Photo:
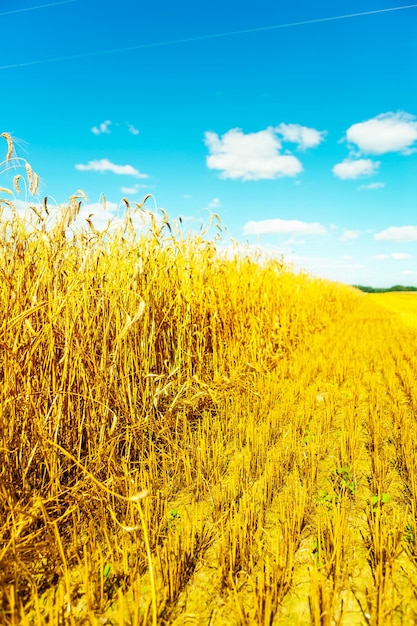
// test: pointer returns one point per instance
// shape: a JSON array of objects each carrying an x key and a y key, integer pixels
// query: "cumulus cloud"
[
  {"x": 252, "y": 156},
  {"x": 372, "y": 186},
  {"x": 190, "y": 218},
  {"x": 104, "y": 165},
  {"x": 92, "y": 211},
  {"x": 302, "y": 135},
  {"x": 104, "y": 127},
  {"x": 95, "y": 213},
  {"x": 354, "y": 168},
  {"x": 294, "y": 241},
  {"x": 133, "y": 190},
  {"x": 287, "y": 227},
  {"x": 349, "y": 235},
  {"x": 111, "y": 217},
  {"x": 132, "y": 130},
  {"x": 398, "y": 233},
  {"x": 397, "y": 256},
  {"x": 387, "y": 132},
  {"x": 409, "y": 273},
  {"x": 214, "y": 204},
  {"x": 101, "y": 216}
]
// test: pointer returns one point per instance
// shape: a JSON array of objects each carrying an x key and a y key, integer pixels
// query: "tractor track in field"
[
  {"x": 336, "y": 412},
  {"x": 304, "y": 509}
]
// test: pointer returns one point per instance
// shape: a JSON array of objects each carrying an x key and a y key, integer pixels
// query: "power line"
[
  {"x": 230, "y": 33},
  {"x": 39, "y": 6}
]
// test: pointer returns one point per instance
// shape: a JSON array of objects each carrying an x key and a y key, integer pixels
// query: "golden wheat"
[{"x": 187, "y": 437}]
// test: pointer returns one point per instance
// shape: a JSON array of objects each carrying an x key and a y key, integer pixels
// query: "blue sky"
[{"x": 299, "y": 131}]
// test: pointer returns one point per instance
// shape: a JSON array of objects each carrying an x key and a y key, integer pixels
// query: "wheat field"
[{"x": 194, "y": 437}]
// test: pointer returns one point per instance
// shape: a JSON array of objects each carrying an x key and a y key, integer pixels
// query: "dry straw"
[{"x": 193, "y": 437}]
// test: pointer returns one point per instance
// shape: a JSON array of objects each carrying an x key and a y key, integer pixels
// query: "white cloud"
[
  {"x": 397, "y": 256},
  {"x": 334, "y": 269},
  {"x": 304, "y": 136},
  {"x": 372, "y": 186},
  {"x": 94, "y": 207},
  {"x": 100, "y": 216},
  {"x": 94, "y": 211},
  {"x": 348, "y": 267},
  {"x": 387, "y": 132},
  {"x": 102, "y": 128},
  {"x": 409, "y": 273},
  {"x": 96, "y": 214},
  {"x": 214, "y": 204},
  {"x": 133, "y": 190},
  {"x": 398, "y": 233},
  {"x": 293, "y": 241},
  {"x": 253, "y": 156},
  {"x": 112, "y": 217},
  {"x": 350, "y": 168},
  {"x": 291, "y": 227},
  {"x": 349, "y": 235},
  {"x": 132, "y": 130},
  {"x": 190, "y": 219},
  {"x": 104, "y": 165}
]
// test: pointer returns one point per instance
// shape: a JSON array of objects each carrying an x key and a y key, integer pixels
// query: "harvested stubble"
[{"x": 191, "y": 438}]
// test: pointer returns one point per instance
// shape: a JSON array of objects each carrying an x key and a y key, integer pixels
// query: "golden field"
[{"x": 190, "y": 437}]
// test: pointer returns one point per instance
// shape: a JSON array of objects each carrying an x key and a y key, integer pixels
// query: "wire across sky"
[
  {"x": 157, "y": 44},
  {"x": 35, "y": 8}
]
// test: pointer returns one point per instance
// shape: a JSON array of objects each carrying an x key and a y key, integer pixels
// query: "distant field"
[
  {"x": 187, "y": 438},
  {"x": 403, "y": 303}
]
